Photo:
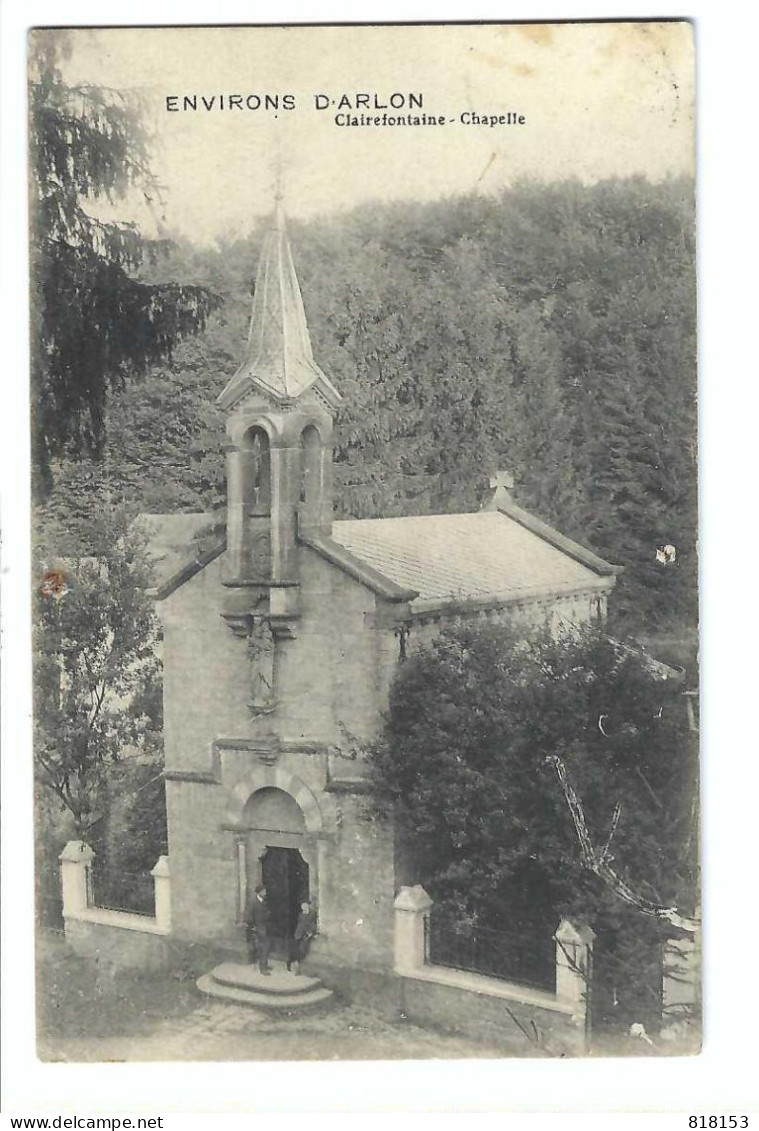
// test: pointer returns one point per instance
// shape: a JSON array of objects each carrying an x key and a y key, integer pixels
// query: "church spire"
[
  {"x": 278, "y": 359},
  {"x": 279, "y": 417}
]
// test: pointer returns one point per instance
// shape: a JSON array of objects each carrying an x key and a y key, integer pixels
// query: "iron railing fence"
[
  {"x": 117, "y": 890},
  {"x": 521, "y": 954}
]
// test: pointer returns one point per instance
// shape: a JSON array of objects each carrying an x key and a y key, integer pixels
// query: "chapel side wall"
[{"x": 574, "y": 608}]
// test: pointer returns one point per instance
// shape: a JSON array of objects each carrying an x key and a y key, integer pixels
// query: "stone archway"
[
  {"x": 277, "y": 849},
  {"x": 265, "y": 776}
]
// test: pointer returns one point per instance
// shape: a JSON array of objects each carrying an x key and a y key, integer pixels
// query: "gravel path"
[{"x": 85, "y": 1016}]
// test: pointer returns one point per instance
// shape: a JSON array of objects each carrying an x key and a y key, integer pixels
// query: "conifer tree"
[{"x": 94, "y": 321}]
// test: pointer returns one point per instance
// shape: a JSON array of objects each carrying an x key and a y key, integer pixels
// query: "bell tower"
[{"x": 279, "y": 407}]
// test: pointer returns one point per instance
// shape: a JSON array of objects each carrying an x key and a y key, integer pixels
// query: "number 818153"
[{"x": 702, "y": 1121}]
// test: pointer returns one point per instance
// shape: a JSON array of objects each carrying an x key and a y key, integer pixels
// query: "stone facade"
[{"x": 331, "y": 683}]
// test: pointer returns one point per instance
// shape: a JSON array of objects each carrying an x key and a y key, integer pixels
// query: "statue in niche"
[
  {"x": 261, "y": 656},
  {"x": 260, "y": 550}
]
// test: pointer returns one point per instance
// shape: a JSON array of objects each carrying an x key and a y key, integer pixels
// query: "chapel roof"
[
  {"x": 278, "y": 357},
  {"x": 446, "y": 558},
  {"x": 178, "y": 545},
  {"x": 428, "y": 560}
]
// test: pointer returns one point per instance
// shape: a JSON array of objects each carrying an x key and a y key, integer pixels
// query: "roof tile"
[{"x": 460, "y": 556}]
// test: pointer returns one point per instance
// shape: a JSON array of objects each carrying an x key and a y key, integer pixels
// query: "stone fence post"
[
  {"x": 162, "y": 880},
  {"x": 574, "y": 965},
  {"x": 76, "y": 861},
  {"x": 412, "y": 908}
]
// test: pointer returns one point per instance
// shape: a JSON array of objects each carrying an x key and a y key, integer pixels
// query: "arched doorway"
[{"x": 279, "y": 855}]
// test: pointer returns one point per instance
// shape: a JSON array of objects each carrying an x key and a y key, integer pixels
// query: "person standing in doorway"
[
  {"x": 257, "y": 920},
  {"x": 305, "y": 929}
]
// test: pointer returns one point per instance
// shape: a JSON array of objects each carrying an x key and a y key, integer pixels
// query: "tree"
[
  {"x": 94, "y": 320},
  {"x": 481, "y": 728},
  {"x": 95, "y": 638}
]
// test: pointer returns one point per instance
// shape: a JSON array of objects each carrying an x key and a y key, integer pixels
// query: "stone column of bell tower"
[{"x": 279, "y": 408}]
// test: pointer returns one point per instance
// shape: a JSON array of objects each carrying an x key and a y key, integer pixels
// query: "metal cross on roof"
[{"x": 502, "y": 479}]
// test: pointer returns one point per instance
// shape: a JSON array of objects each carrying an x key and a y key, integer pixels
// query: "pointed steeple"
[{"x": 278, "y": 359}]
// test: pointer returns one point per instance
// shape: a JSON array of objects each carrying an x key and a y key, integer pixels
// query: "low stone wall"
[
  {"x": 523, "y": 1022},
  {"x": 470, "y": 1005},
  {"x": 118, "y": 939}
]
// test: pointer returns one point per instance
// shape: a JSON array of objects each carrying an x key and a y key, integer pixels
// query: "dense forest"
[{"x": 548, "y": 331}]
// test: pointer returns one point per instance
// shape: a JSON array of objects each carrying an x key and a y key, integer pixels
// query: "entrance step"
[
  {"x": 281, "y": 992},
  {"x": 280, "y": 981}
]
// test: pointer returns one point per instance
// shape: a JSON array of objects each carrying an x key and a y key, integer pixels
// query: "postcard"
[{"x": 364, "y": 443}]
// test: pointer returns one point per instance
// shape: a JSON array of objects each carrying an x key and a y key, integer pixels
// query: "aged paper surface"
[{"x": 365, "y": 542}]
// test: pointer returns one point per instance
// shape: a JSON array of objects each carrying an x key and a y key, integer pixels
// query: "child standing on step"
[{"x": 305, "y": 929}]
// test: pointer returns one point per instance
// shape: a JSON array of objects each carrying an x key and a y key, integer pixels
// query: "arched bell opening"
[
  {"x": 249, "y": 506},
  {"x": 310, "y": 475},
  {"x": 315, "y": 493},
  {"x": 256, "y": 471}
]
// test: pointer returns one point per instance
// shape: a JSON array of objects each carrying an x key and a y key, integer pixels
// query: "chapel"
[{"x": 281, "y": 637}]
